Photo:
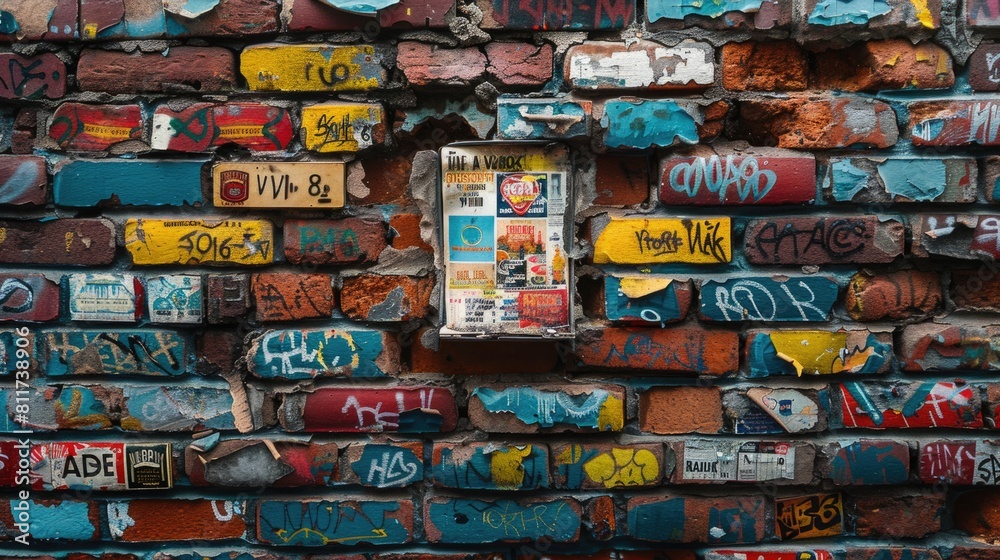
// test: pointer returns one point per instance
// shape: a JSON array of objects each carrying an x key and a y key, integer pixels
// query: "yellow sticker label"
[
  {"x": 277, "y": 67},
  {"x": 665, "y": 240},
  {"x": 152, "y": 242},
  {"x": 342, "y": 127},
  {"x": 279, "y": 185}
]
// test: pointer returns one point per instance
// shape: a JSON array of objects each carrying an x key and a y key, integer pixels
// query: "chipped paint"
[
  {"x": 664, "y": 240},
  {"x": 841, "y": 12},
  {"x": 282, "y": 67},
  {"x": 343, "y": 126},
  {"x": 644, "y": 123},
  {"x": 910, "y": 405},
  {"x": 534, "y": 119},
  {"x": 361, "y": 7},
  {"x": 311, "y": 353},
  {"x": 901, "y": 179},
  {"x": 460, "y": 520},
  {"x": 388, "y": 466},
  {"x": 598, "y": 409},
  {"x": 202, "y": 127},
  {"x": 176, "y": 409},
  {"x": 817, "y": 515},
  {"x": 679, "y": 9},
  {"x": 643, "y": 299},
  {"x": 598, "y": 65},
  {"x": 758, "y": 177},
  {"x": 490, "y": 466},
  {"x": 124, "y": 352},
  {"x": 435, "y": 110},
  {"x": 314, "y": 523},
  {"x": 193, "y": 242},
  {"x": 792, "y": 409},
  {"x": 175, "y": 298},
  {"x": 93, "y": 128},
  {"x": 189, "y": 8},
  {"x": 591, "y": 466},
  {"x": 802, "y": 352}
]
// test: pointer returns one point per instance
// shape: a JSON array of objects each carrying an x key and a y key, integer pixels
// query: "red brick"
[
  {"x": 28, "y": 297},
  {"x": 404, "y": 229},
  {"x": 416, "y": 14},
  {"x": 23, "y": 180},
  {"x": 880, "y": 65},
  {"x": 93, "y": 128},
  {"x": 229, "y": 463},
  {"x": 217, "y": 351},
  {"x": 430, "y": 65},
  {"x": 977, "y": 512},
  {"x": 975, "y": 290},
  {"x": 622, "y": 180},
  {"x": 984, "y": 73},
  {"x": 25, "y": 126},
  {"x": 49, "y": 20},
  {"x": 974, "y": 553},
  {"x": 189, "y": 520},
  {"x": 179, "y": 69},
  {"x": 899, "y": 517},
  {"x": 600, "y": 518},
  {"x": 309, "y": 15},
  {"x": 771, "y": 66},
  {"x": 895, "y": 295},
  {"x": 954, "y": 123},
  {"x": 84, "y": 241},
  {"x": 694, "y": 519},
  {"x": 345, "y": 241},
  {"x": 824, "y": 240},
  {"x": 816, "y": 123},
  {"x": 404, "y": 409},
  {"x": 228, "y": 297},
  {"x": 386, "y": 298},
  {"x": 680, "y": 410},
  {"x": 519, "y": 64},
  {"x": 288, "y": 296},
  {"x": 233, "y": 18},
  {"x": 379, "y": 180},
  {"x": 675, "y": 349},
  {"x": 458, "y": 357},
  {"x": 33, "y": 77}
]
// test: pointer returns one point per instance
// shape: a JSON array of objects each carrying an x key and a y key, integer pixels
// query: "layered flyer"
[{"x": 506, "y": 210}]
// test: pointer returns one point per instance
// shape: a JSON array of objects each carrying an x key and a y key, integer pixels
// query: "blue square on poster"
[{"x": 471, "y": 238}]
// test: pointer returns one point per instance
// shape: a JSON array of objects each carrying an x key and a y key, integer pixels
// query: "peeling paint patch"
[
  {"x": 840, "y": 12},
  {"x": 679, "y": 9},
  {"x": 189, "y": 8},
  {"x": 817, "y": 352},
  {"x": 533, "y": 119},
  {"x": 646, "y": 123},
  {"x": 598, "y": 409},
  {"x": 306, "y": 354}
]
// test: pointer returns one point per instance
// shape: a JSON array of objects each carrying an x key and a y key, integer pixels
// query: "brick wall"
[{"x": 786, "y": 280}]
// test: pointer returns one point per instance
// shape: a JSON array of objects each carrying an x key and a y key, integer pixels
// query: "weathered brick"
[
  {"x": 382, "y": 180},
  {"x": 817, "y": 123},
  {"x": 404, "y": 409},
  {"x": 94, "y": 128},
  {"x": 416, "y": 14},
  {"x": 230, "y": 18},
  {"x": 23, "y": 136},
  {"x": 404, "y": 231},
  {"x": 975, "y": 512},
  {"x": 680, "y": 410},
  {"x": 897, "y": 295},
  {"x": 954, "y": 122},
  {"x": 142, "y": 520},
  {"x": 289, "y": 296},
  {"x": 68, "y": 520},
  {"x": 960, "y": 236},
  {"x": 519, "y": 64},
  {"x": 824, "y": 240},
  {"x": 882, "y": 65},
  {"x": 312, "y": 16},
  {"x": 975, "y": 290},
  {"x": 813, "y": 515},
  {"x": 656, "y": 240},
  {"x": 607, "y": 466},
  {"x": 984, "y": 74},
  {"x": 179, "y": 69},
  {"x": 984, "y": 552},
  {"x": 430, "y": 354},
  {"x": 45, "y": 20},
  {"x": 490, "y": 466},
  {"x": 621, "y": 180},
  {"x": 90, "y": 183},
  {"x": 554, "y": 16},
  {"x": 32, "y": 77},
  {"x": 428, "y": 65},
  {"x": 527, "y": 118},
  {"x": 645, "y": 65},
  {"x": 763, "y": 298},
  {"x": 392, "y": 464},
  {"x": 69, "y": 241},
  {"x": 867, "y": 180},
  {"x": 982, "y": 13},
  {"x": 228, "y": 297},
  {"x": 28, "y": 297},
  {"x": 865, "y": 462},
  {"x": 913, "y": 516},
  {"x": 896, "y": 553},
  {"x": 323, "y": 352},
  {"x": 345, "y": 522},
  {"x": 794, "y": 410},
  {"x": 955, "y": 345},
  {"x": 729, "y": 14},
  {"x": 344, "y": 241},
  {"x": 250, "y": 463},
  {"x": 342, "y": 126},
  {"x": 176, "y": 409},
  {"x": 960, "y": 462},
  {"x": 199, "y": 242},
  {"x": 677, "y": 349},
  {"x": 692, "y": 519},
  {"x": 837, "y": 21},
  {"x": 216, "y": 352},
  {"x": 646, "y": 300},
  {"x": 817, "y": 352},
  {"x": 312, "y": 67},
  {"x": 386, "y": 298},
  {"x": 704, "y": 461},
  {"x": 764, "y": 66},
  {"x": 724, "y": 175},
  {"x": 909, "y": 405},
  {"x": 203, "y": 127},
  {"x": 468, "y": 521},
  {"x": 548, "y": 408},
  {"x": 72, "y": 407},
  {"x": 644, "y": 123}
]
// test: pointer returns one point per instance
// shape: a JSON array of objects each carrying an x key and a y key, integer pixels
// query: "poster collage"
[{"x": 505, "y": 208}]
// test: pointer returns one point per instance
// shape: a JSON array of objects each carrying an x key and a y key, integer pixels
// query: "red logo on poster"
[
  {"x": 235, "y": 186},
  {"x": 520, "y": 190}
]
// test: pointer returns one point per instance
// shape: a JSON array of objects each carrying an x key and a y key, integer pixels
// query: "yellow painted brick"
[
  {"x": 277, "y": 67},
  {"x": 342, "y": 127},
  {"x": 665, "y": 240},
  {"x": 152, "y": 242}
]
